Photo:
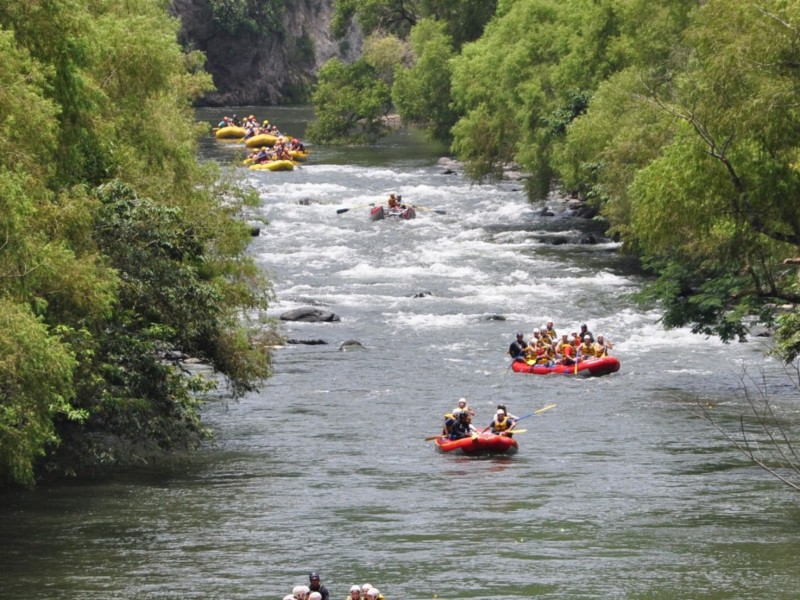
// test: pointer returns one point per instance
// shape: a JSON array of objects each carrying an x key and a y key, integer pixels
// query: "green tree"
[
  {"x": 421, "y": 92},
  {"x": 717, "y": 213},
  {"x": 350, "y": 103},
  {"x": 119, "y": 247},
  {"x": 35, "y": 389}
]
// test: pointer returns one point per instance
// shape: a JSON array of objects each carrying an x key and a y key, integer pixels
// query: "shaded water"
[{"x": 618, "y": 492}]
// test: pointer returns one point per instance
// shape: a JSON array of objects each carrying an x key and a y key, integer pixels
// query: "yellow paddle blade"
[
  {"x": 432, "y": 437},
  {"x": 548, "y": 407}
]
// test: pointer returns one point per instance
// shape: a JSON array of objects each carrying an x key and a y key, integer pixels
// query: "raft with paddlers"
[
  {"x": 590, "y": 367},
  {"x": 478, "y": 444},
  {"x": 379, "y": 213}
]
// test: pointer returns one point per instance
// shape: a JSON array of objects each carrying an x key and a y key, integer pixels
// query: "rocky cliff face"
[{"x": 251, "y": 69}]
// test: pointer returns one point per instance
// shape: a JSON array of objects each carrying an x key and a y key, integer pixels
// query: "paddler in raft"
[
  {"x": 502, "y": 423},
  {"x": 601, "y": 346},
  {"x": 462, "y": 405},
  {"x": 517, "y": 348},
  {"x": 462, "y": 426}
]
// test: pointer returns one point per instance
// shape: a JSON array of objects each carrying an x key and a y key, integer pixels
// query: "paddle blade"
[
  {"x": 341, "y": 210},
  {"x": 440, "y": 212},
  {"x": 432, "y": 437},
  {"x": 548, "y": 407}
]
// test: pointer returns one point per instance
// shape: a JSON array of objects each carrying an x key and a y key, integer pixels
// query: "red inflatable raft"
[
  {"x": 379, "y": 212},
  {"x": 592, "y": 367},
  {"x": 478, "y": 444}
]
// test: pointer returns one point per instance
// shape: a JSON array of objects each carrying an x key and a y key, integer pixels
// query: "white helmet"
[
  {"x": 315, "y": 596},
  {"x": 355, "y": 588},
  {"x": 500, "y": 411},
  {"x": 536, "y": 331},
  {"x": 297, "y": 591},
  {"x": 460, "y": 400},
  {"x": 373, "y": 593},
  {"x": 288, "y": 597},
  {"x": 366, "y": 587}
]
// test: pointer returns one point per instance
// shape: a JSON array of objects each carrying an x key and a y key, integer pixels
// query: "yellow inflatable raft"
[
  {"x": 274, "y": 165},
  {"x": 297, "y": 155},
  {"x": 230, "y": 133},
  {"x": 262, "y": 139}
]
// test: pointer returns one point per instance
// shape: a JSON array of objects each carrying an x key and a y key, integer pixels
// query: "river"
[{"x": 620, "y": 491}]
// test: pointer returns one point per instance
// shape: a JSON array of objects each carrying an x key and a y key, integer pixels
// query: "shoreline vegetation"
[{"x": 121, "y": 250}]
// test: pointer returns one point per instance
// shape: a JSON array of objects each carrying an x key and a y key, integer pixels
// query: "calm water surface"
[{"x": 618, "y": 492}]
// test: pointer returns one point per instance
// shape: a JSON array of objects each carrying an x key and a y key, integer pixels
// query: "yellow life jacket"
[{"x": 501, "y": 423}]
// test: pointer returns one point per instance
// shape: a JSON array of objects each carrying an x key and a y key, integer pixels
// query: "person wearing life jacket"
[
  {"x": 355, "y": 593},
  {"x": 569, "y": 353},
  {"x": 549, "y": 329},
  {"x": 374, "y": 594},
  {"x": 585, "y": 331},
  {"x": 447, "y": 426},
  {"x": 601, "y": 346},
  {"x": 462, "y": 405},
  {"x": 281, "y": 152},
  {"x": 501, "y": 422},
  {"x": 543, "y": 353},
  {"x": 586, "y": 349},
  {"x": 565, "y": 351}
]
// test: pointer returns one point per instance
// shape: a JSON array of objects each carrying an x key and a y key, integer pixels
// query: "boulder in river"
[
  {"x": 309, "y": 314},
  {"x": 351, "y": 345}
]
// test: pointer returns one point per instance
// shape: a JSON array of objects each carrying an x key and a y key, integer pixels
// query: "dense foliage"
[
  {"x": 260, "y": 17},
  {"x": 422, "y": 35},
  {"x": 119, "y": 249},
  {"x": 677, "y": 119}
]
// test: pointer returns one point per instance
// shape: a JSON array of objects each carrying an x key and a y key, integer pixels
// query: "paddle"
[
  {"x": 344, "y": 210},
  {"x": 516, "y": 358},
  {"x": 432, "y": 437},
  {"x": 536, "y": 412},
  {"x": 438, "y": 212}
]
